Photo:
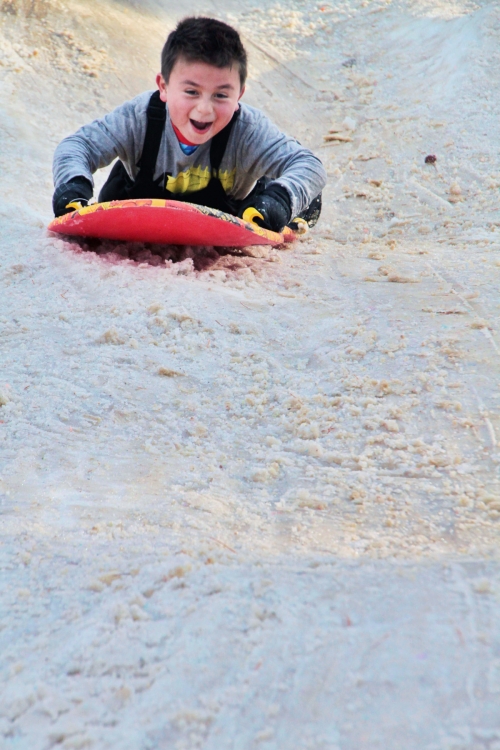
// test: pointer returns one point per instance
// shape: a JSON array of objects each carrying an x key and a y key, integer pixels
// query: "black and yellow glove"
[
  {"x": 72, "y": 195},
  {"x": 270, "y": 209}
]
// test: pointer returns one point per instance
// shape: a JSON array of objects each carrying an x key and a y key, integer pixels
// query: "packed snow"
[{"x": 251, "y": 500}]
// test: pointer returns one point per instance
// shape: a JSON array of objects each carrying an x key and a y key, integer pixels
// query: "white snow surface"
[{"x": 252, "y": 501}]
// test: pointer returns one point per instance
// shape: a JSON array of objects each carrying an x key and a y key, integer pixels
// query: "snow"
[{"x": 253, "y": 501}]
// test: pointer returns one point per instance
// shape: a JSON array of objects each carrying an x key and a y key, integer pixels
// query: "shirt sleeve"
[
  {"x": 118, "y": 134},
  {"x": 266, "y": 151}
]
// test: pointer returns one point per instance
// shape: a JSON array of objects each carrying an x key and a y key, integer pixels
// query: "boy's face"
[{"x": 201, "y": 98}]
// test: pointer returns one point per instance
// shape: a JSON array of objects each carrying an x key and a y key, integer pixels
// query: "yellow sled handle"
[
  {"x": 76, "y": 205},
  {"x": 250, "y": 214},
  {"x": 299, "y": 225}
]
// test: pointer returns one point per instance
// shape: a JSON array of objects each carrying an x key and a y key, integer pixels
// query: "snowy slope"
[{"x": 253, "y": 502}]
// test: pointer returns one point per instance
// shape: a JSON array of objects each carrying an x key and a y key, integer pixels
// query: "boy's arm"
[
  {"x": 265, "y": 151},
  {"x": 118, "y": 134}
]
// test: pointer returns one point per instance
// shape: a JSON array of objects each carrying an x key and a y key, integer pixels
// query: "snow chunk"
[
  {"x": 111, "y": 336},
  {"x": 168, "y": 373},
  {"x": 302, "y": 498}
]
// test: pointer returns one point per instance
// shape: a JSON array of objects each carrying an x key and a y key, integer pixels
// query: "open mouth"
[{"x": 200, "y": 127}]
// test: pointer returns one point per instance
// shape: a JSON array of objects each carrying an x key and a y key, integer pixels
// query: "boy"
[{"x": 192, "y": 140}]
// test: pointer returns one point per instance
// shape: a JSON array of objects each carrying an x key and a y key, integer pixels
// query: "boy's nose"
[{"x": 205, "y": 107}]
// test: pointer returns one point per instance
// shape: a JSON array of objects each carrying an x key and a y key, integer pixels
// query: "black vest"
[{"x": 119, "y": 186}]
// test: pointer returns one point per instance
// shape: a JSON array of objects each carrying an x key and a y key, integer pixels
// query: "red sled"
[{"x": 165, "y": 222}]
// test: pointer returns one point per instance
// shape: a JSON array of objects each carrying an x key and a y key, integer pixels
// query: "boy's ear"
[
  {"x": 162, "y": 86},
  {"x": 241, "y": 93}
]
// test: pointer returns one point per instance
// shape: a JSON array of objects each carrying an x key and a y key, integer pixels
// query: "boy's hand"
[
  {"x": 274, "y": 207},
  {"x": 77, "y": 190}
]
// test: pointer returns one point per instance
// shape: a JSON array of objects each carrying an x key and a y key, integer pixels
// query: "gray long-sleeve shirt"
[{"x": 256, "y": 148}]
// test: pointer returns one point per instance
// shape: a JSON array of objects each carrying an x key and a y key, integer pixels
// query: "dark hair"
[{"x": 204, "y": 40}]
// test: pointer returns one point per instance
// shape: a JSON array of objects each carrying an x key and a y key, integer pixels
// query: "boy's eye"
[
  {"x": 221, "y": 96},
  {"x": 191, "y": 92}
]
